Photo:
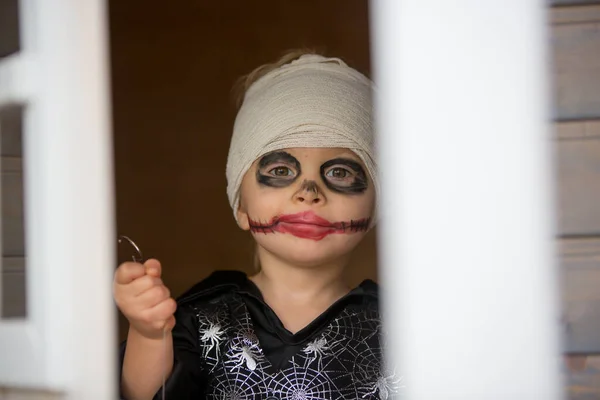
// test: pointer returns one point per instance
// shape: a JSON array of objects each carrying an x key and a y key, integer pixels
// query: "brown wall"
[{"x": 173, "y": 67}]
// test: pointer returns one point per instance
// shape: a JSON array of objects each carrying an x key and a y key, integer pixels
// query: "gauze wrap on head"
[{"x": 311, "y": 102}]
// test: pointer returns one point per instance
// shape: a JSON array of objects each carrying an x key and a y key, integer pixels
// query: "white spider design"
[
  {"x": 247, "y": 350},
  {"x": 386, "y": 385},
  {"x": 245, "y": 355},
  {"x": 211, "y": 338},
  {"x": 317, "y": 347}
]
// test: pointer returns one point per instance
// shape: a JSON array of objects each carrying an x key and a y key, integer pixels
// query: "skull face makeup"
[{"x": 307, "y": 205}]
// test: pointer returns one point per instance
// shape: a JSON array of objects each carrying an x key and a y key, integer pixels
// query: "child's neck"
[{"x": 299, "y": 295}]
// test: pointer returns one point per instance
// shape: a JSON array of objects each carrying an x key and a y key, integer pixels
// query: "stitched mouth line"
[{"x": 358, "y": 225}]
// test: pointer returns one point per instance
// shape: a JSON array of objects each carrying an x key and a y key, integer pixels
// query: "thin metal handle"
[{"x": 136, "y": 257}]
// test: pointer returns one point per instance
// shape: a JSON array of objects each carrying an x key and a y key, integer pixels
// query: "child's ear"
[{"x": 242, "y": 218}]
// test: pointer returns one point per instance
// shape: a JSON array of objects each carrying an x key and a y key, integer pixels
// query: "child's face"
[{"x": 307, "y": 206}]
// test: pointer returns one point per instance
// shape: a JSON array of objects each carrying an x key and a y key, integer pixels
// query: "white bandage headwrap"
[{"x": 311, "y": 102}]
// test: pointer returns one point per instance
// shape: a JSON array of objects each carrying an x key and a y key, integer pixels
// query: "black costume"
[{"x": 230, "y": 345}]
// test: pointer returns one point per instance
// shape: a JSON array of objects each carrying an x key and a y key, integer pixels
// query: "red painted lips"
[{"x": 308, "y": 225}]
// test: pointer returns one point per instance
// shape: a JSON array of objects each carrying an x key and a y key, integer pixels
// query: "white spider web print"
[
  {"x": 342, "y": 362},
  {"x": 353, "y": 357},
  {"x": 300, "y": 383},
  {"x": 233, "y": 378}
]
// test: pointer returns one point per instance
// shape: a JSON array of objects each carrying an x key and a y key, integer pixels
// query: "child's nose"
[{"x": 309, "y": 193}]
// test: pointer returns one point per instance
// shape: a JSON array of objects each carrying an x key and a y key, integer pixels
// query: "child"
[{"x": 302, "y": 179}]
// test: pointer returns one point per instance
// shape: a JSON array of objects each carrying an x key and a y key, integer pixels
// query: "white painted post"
[
  {"x": 79, "y": 236},
  {"x": 466, "y": 226},
  {"x": 61, "y": 75}
]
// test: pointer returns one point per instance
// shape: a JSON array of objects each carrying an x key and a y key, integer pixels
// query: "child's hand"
[{"x": 143, "y": 298}]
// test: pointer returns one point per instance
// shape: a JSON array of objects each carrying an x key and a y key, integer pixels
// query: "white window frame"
[{"x": 60, "y": 75}]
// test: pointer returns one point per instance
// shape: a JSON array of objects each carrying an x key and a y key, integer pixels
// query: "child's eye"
[
  {"x": 345, "y": 176},
  {"x": 277, "y": 170},
  {"x": 281, "y": 171},
  {"x": 338, "y": 173}
]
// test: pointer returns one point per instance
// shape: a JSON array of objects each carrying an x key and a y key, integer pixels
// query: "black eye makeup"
[
  {"x": 343, "y": 175},
  {"x": 277, "y": 169}
]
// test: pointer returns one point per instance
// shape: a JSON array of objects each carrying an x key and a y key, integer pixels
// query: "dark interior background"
[{"x": 173, "y": 68}]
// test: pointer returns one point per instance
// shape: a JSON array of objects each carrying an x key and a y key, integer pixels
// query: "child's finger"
[
  {"x": 161, "y": 312},
  {"x": 153, "y": 296},
  {"x": 143, "y": 284},
  {"x": 153, "y": 267},
  {"x": 128, "y": 272}
]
